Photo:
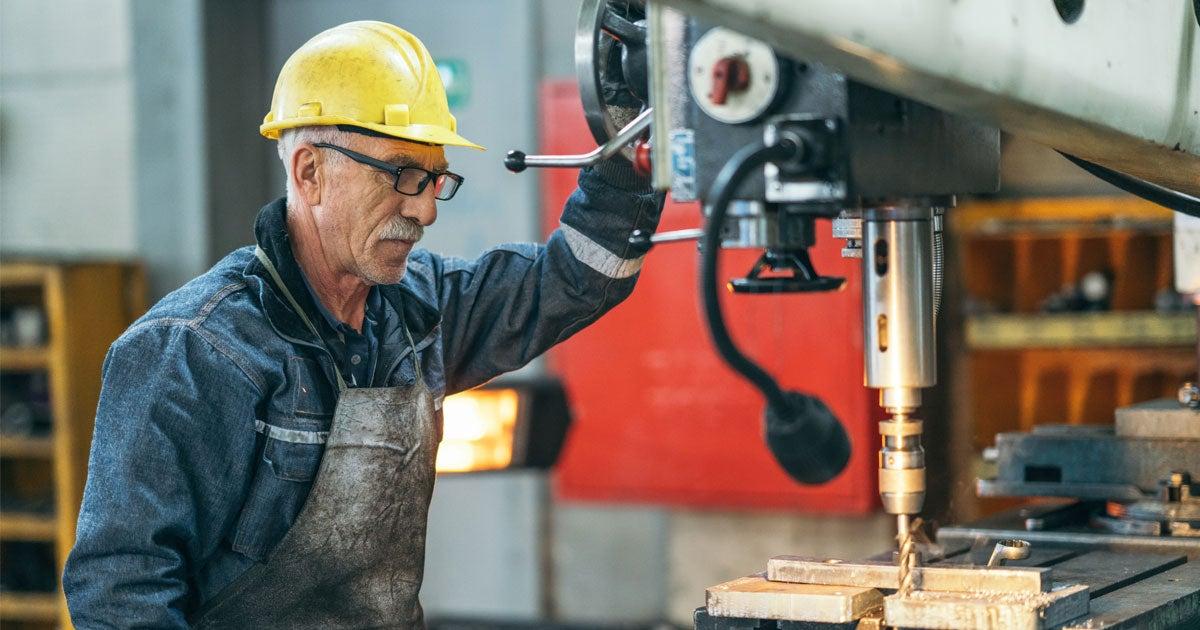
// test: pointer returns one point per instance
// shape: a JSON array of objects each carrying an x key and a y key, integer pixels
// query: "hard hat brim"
[{"x": 426, "y": 134}]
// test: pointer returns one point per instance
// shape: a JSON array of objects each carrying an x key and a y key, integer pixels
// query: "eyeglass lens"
[{"x": 412, "y": 181}]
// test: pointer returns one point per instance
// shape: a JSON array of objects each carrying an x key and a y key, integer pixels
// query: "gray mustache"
[{"x": 402, "y": 229}]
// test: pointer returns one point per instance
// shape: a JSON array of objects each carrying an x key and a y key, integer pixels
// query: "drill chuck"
[{"x": 901, "y": 465}]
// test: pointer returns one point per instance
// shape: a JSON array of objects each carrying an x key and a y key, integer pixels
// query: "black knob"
[
  {"x": 640, "y": 238},
  {"x": 515, "y": 161},
  {"x": 806, "y": 439}
]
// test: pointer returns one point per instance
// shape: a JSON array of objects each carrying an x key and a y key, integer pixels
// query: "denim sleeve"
[
  {"x": 169, "y": 462},
  {"x": 511, "y": 304}
]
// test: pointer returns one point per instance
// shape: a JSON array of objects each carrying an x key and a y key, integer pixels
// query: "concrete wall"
[
  {"x": 171, "y": 154},
  {"x": 66, "y": 119}
]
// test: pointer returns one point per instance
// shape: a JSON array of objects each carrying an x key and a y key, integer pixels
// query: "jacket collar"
[{"x": 401, "y": 304}]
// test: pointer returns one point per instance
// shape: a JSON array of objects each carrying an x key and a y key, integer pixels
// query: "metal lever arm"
[
  {"x": 517, "y": 161},
  {"x": 647, "y": 238}
]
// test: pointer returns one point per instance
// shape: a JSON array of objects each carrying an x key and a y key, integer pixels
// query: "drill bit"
[
  {"x": 907, "y": 558},
  {"x": 902, "y": 485}
]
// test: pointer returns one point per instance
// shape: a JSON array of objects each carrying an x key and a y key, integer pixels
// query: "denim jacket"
[{"x": 215, "y": 405}]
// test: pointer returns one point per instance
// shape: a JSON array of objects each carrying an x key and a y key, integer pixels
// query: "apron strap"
[
  {"x": 262, "y": 257},
  {"x": 341, "y": 383},
  {"x": 416, "y": 360}
]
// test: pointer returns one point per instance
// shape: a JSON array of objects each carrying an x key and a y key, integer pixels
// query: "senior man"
[{"x": 265, "y": 439}]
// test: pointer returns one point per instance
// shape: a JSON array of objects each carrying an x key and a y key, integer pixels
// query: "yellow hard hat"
[{"x": 366, "y": 74}]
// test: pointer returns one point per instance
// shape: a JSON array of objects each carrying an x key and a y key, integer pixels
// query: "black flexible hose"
[
  {"x": 1165, "y": 197},
  {"x": 802, "y": 433},
  {"x": 747, "y": 159}
]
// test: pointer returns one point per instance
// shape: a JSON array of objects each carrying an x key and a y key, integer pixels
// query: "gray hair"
[{"x": 290, "y": 138}]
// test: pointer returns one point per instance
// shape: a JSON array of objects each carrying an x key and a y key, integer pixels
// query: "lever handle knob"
[
  {"x": 807, "y": 440},
  {"x": 515, "y": 161}
]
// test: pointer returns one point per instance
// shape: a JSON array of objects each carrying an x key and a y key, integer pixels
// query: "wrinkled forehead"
[{"x": 403, "y": 152}]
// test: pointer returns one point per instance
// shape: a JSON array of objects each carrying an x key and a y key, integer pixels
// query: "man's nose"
[{"x": 421, "y": 208}]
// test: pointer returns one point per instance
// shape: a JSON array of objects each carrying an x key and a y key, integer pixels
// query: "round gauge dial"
[{"x": 733, "y": 78}]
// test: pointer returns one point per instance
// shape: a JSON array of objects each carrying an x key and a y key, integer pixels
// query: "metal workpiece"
[
  {"x": 898, "y": 303},
  {"x": 943, "y": 576},
  {"x": 755, "y": 596}
]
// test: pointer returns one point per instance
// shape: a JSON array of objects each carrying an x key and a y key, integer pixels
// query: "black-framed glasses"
[{"x": 409, "y": 180}]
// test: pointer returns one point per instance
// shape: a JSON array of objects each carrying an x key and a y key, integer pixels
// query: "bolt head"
[
  {"x": 1178, "y": 478},
  {"x": 1189, "y": 395}
]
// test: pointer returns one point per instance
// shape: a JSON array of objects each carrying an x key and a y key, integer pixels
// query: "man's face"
[{"x": 368, "y": 228}]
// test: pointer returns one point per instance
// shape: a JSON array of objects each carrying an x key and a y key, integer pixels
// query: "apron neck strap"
[
  {"x": 412, "y": 346},
  {"x": 262, "y": 257},
  {"x": 341, "y": 382}
]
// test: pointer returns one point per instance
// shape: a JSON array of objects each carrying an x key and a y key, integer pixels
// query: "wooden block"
[
  {"x": 886, "y": 575},
  {"x": 987, "y": 610},
  {"x": 755, "y": 597}
]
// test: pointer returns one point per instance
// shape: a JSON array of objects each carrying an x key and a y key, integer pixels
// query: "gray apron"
[{"x": 355, "y": 556}]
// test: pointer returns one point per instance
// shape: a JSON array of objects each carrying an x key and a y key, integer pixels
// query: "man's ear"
[{"x": 306, "y": 176}]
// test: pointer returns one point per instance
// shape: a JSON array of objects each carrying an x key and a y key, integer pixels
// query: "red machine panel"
[{"x": 658, "y": 417}]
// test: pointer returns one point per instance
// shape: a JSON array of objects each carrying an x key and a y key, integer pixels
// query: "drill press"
[{"x": 771, "y": 143}]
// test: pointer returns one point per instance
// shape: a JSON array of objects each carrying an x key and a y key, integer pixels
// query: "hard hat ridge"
[{"x": 371, "y": 75}]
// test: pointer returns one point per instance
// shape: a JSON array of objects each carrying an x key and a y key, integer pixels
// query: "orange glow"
[{"x": 477, "y": 433}]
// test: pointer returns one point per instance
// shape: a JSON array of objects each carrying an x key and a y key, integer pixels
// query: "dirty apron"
[{"x": 355, "y": 556}]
